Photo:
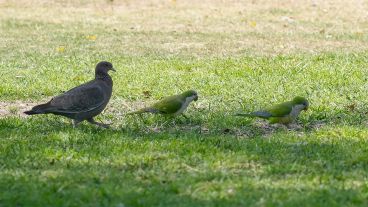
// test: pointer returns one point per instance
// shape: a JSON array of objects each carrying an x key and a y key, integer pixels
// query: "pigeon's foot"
[
  {"x": 75, "y": 123},
  {"x": 106, "y": 126},
  {"x": 92, "y": 121}
]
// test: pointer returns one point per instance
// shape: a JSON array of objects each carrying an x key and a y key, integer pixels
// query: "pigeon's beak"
[
  {"x": 195, "y": 98},
  {"x": 113, "y": 69}
]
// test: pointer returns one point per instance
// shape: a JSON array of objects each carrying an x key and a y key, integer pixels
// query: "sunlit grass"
[{"x": 235, "y": 59}]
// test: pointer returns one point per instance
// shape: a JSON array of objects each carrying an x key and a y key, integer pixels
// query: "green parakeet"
[
  {"x": 172, "y": 105},
  {"x": 284, "y": 113}
]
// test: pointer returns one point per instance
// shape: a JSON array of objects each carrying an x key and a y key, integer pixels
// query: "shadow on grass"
[{"x": 45, "y": 161}]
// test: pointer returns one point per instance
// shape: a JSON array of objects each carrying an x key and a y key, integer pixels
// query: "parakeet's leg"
[
  {"x": 294, "y": 126},
  {"x": 92, "y": 121},
  {"x": 288, "y": 126},
  {"x": 75, "y": 123},
  {"x": 187, "y": 118},
  {"x": 143, "y": 120},
  {"x": 166, "y": 120}
]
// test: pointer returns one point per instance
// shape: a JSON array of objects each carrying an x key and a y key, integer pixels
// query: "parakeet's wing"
[
  {"x": 280, "y": 110},
  {"x": 169, "y": 105}
]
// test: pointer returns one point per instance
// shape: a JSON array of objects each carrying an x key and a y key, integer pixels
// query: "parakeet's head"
[
  {"x": 191, "y": 94},
  {"x": 301, "y": 101}
]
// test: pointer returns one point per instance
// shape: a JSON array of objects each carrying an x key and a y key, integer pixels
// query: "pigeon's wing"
[
  {"x": 169, "y": 105},
  {"x": 280, "y": 110},
  {"x": 84, "y": 98}
]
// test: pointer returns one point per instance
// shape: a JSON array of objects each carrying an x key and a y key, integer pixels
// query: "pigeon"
[{"x": 82, "y": 102}]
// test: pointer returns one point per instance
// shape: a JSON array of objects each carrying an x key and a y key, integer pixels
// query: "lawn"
[{"x": 239, "y": 56}]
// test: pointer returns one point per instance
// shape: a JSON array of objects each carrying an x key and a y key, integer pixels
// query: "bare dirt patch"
[{"x": 14, "y": 108}]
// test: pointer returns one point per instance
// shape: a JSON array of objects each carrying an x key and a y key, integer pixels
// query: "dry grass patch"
[{"x": 194, "y": 28}]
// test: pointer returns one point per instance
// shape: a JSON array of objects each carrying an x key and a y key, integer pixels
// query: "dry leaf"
[
  {"x": 91, "y": 37},
  {"x": 351, "y": 107},
  {"x": 60, "y": 49},
  {"x": 252, "y": 23},
  {"x": 359, "y": 34}
]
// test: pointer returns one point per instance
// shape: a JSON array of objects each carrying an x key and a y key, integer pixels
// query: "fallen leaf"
[
  {"x": 252, "y": 23},
  {"x": 60, "y": 49},
  {"x": 351, "y": 107},
  {"x": 91, "y": 37},
  {"x": 359, "y": 34}
]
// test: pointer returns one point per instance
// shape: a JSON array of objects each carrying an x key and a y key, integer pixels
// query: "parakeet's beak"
[
  {"x": 113, "y": 69},
  {"x": 195, "y": 98},
  {"x": 306, "y": 108}
]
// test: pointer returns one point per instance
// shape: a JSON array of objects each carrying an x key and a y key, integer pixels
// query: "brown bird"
[{"x": 82, "y": 102}]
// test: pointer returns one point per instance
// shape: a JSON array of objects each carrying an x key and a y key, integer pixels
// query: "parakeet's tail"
[
  {"x": 260, "y": 114},
  {"x": 39, "y": 109},
  {"x": 242, "y": 114},
  {"x": 141, "y": 111},
  {"x": 136, "y": 112}
]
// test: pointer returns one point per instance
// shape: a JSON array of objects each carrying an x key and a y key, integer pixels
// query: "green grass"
[{"x": 212, "y": 159}]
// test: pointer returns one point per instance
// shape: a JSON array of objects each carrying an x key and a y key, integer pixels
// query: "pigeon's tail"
[
  {"x": 144, "y": 110},
  {"x": 261, "y": 114},
  {"x": 39, "y": 109}
]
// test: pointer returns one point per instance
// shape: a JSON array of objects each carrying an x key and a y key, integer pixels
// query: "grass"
[{"x": 238, "y": 56}]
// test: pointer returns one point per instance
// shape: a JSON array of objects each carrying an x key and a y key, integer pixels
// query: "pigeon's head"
[
  {"x": 103, "y": 67},
  {"x": 301, "y": 101},
  {"x": 193, "y": 95}
]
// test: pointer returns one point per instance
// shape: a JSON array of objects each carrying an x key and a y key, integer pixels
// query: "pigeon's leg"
[
  {"x": 75, "y": 123},
  {"x": 92, "y": 121}
]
